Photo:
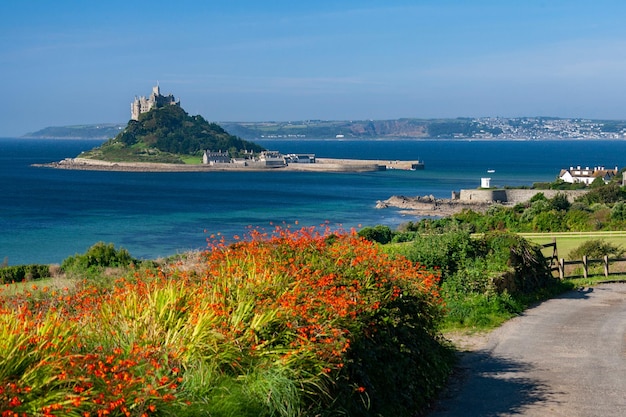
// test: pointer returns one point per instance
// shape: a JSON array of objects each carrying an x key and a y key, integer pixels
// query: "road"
[{"x": 565, "y": 357}]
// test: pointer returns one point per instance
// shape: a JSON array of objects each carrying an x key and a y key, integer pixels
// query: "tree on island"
[{"x": 169, "y": 134}]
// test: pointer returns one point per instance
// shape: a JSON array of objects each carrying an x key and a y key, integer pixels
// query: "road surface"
[{"x": 565, "y": 357}]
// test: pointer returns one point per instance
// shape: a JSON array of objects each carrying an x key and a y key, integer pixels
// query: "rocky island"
[{"x": 161, "y": 136}]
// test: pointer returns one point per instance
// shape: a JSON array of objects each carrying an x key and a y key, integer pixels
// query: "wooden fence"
[{"x": 558, "y": 264}]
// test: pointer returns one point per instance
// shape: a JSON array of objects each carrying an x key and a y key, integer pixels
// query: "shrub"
[
  {"x": 20, "y": 273},
  {"x": 381, "y": 234},
  {"x": 596, "y": 249},
  {"x": 443, "y": 251},
  {"x": 100, "y": 255},
  {"x": 605, "y": 194},
  {"x": 560, "y": 202},
  {"x": 496, "y": 283},
  {"x": 529, "y": 270},
  {"x": 618, "y": 212}
]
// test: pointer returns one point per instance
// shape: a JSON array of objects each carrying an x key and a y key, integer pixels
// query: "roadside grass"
[{"x": 595, "y": 280}]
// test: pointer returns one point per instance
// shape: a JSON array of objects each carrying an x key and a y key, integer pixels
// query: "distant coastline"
[{"x": 481, "y": 128}]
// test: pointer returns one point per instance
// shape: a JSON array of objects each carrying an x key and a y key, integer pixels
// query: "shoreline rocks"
[{"x": 431, "y": 206}]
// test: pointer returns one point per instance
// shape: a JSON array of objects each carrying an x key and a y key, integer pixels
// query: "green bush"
[
  {"x": 20, "y": 273},
  {"x": 444, "y": 251},
  {"x": 560, "y": 202},
  {"x": 596, "y": 249},
  {"x": 381, "y": 234},
  {"x": 100, "y": 255}
]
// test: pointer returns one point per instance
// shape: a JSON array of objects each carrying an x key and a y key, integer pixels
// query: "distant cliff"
[
  {"x": 98, "y": 131},
  {"x": 322, "y": 129}
]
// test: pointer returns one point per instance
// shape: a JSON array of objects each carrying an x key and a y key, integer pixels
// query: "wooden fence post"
[
  {"x": 585, "y": 267},
  {"x": 555, "y": 253},
  {"x": 606, "y": 266},
  {"x": 562, "y": 269}
]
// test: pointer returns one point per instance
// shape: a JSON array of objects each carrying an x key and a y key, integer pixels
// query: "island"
[{"x": 162, "y": 137}]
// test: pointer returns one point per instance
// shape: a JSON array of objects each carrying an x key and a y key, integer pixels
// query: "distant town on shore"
[{"x": 497, "y": 128}]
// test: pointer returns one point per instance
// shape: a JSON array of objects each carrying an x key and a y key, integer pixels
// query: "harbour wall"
[{"x": 512, "y": 196}]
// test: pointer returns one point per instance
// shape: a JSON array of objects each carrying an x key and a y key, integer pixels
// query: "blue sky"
[{"x": 81, "y": 62}]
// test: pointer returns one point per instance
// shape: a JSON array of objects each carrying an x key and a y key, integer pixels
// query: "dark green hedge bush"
[{"x": 19, "y": 273}]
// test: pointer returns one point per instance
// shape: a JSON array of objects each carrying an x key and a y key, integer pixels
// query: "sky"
[{"x": 72, "y": 62}]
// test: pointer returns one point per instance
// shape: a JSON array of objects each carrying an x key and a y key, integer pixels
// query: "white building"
[{"x": 587, "y": 175}]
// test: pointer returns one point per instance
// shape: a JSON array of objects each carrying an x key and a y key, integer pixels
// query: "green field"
[{"x": 568, "y": 241}]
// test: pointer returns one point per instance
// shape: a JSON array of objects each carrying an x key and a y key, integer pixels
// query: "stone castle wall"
[{"x": 513, "y": 196}]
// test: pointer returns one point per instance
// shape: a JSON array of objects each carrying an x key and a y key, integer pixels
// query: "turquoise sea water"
[{"x": 47, "y": 214}]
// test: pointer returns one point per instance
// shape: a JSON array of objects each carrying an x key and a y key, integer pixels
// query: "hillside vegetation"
[{"x": 168, "y": 134}]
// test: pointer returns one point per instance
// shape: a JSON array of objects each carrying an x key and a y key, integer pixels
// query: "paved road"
[{"x": 565, "y": 357}]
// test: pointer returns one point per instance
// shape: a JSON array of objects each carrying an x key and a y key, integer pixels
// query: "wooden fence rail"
[{"x": 558, "y": 264}]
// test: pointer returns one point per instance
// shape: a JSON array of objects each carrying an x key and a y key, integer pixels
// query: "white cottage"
[{"x": 587, "y": 175}]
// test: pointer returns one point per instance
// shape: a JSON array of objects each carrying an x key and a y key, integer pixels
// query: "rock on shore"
[{"x": 431, "y": 206}]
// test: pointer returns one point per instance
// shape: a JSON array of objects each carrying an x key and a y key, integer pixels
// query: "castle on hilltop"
[{"x": 143, "y": 105}]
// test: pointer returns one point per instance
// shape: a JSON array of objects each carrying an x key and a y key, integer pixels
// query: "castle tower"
[{"x": 143, "y": 105}]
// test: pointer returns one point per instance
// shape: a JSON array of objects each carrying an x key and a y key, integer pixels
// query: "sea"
[{"x": 49, "y": 214}]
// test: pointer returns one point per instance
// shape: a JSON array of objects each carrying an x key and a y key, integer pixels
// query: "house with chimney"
[{"x": 587, "y": 175}]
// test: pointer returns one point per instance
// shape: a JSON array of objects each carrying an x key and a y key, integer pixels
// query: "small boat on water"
[{"x": 491, "y": 171}]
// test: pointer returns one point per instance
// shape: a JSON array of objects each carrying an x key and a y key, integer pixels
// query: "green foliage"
[
  {"x": 578, "y": 220},
  {"x": 605, "y": 194},
  {"x": 476, "y": 310},
  {"x": 529, "y": 270},
  {"x": 165, "y": 133},
  {"x": 100, "y": 255},
  {"x": 446, "y": 252},
  {"x": 396, "y": 350},
  {"x": 20, "y": 273},
  {"x": 602, "y": 208},
  {"x": 538, "y": 197},
  {"x": 485, "y": 280},
  {"x": 560, "y": 202},
  {"x": 618, "y": 212},
  {"x": 464, "y": 127},
  {"x": 381, "y": 234},
  {"x": 597, "y": 183},
  {"x": 596, "y": 249}
]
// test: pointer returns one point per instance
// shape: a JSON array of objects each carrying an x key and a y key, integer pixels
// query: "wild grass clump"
[{"x": 295, "y": 323}]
